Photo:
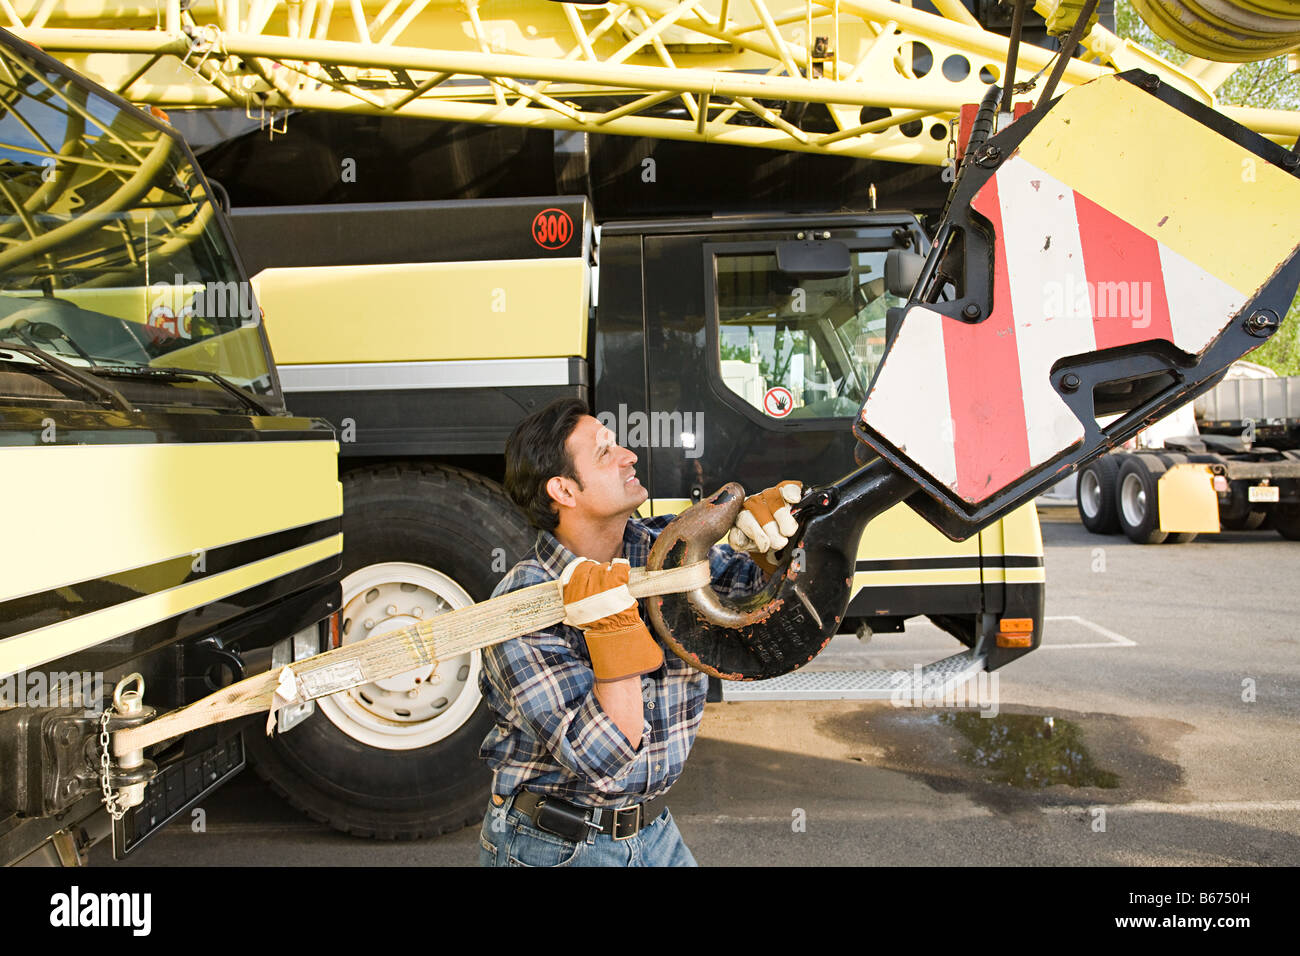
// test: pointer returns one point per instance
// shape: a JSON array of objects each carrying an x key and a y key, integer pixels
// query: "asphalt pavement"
[{"x": 1156, "y": 726}]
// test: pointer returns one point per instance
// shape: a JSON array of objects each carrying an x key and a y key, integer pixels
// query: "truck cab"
[{"x": 717, "y": 348}]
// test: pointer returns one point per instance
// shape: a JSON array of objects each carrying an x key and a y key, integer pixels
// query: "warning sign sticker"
[{"x": 778, "y": 402}]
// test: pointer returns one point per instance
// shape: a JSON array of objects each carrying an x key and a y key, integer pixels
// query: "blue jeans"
[{"x": 508, "y": 838}]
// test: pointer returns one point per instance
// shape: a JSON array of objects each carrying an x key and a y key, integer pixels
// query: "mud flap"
[{"x": 1188, "y": 501}]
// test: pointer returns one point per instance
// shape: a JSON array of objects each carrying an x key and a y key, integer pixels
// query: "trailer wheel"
[
  {"x": 1286, "y": 521},
  {"x": 398, "y": 758},
  {"x": 1096, "y": 493},
  {"x": 1139, "y": 504},
  {"x": 1250, "y": 521}
]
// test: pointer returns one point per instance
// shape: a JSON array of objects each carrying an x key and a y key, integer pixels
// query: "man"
[{"x": 594, "y": 721}]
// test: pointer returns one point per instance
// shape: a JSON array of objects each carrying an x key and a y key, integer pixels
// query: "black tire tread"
[
  {"x": 1107, "y": 520},
  {"x": 1250, "y": 521},
  {"x": 366, "y": 833},
  {"x": 1150, "y": 532},
  {"x": 1286, "y": 521}
]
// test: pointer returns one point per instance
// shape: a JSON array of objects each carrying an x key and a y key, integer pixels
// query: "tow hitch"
[{"x": 123, "y": 780}]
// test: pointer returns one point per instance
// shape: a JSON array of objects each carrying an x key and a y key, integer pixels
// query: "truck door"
[{"x": 763, "y": 371}]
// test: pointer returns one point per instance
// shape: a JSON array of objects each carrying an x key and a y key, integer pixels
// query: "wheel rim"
[
  {"x": 1133, "y": 501},
  {"x": 1090, "y": 493},
  {"x": 420, "y": 706}
]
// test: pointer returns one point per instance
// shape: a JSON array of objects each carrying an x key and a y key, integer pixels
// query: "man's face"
[{"x": 609, "y": 484}]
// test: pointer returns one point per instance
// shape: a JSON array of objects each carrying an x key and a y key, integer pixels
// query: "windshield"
[{"x": 111, "y": 255}]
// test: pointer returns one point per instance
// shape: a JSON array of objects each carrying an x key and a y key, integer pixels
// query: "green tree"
[
  {"x": 1130, "y": 26},
  {"x": 1265, "y": 84}
]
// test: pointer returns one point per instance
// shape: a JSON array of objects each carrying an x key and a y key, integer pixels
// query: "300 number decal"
[{"x": 552, "y": 228}]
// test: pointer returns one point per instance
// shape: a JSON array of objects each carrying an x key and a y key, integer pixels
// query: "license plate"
[
  {"x": 1262, "y": 493},
  {"x": 174, "y": 791}
]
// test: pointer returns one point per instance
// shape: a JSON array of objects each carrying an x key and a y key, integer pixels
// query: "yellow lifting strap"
[{"x": 438, "y": 638}]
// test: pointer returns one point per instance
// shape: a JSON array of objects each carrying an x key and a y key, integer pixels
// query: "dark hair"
[{"x": 536, "y": 453}]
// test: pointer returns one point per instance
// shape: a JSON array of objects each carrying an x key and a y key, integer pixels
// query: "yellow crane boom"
[{"x": 891, "y": 77}]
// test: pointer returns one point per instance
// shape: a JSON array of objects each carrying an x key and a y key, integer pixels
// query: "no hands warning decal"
[{"x": 778, "y": 402}]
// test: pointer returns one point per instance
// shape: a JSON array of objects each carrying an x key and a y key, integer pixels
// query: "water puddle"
[
  {"x": 1028, "y": 750},
  {"x": 1020, "y": 759}
]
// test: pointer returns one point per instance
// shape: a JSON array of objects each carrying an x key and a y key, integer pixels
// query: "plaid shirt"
[{"x": 552, "y": 736}]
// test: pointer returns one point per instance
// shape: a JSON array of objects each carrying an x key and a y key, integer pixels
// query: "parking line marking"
[
  {"x": 1209, "y": 806},
  {"x": 1115, "y": 640}
]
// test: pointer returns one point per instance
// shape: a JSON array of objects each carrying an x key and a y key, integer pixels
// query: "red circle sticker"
[
  {"x": 778, "y": 402},
  {"x": 552, "y": 228}
]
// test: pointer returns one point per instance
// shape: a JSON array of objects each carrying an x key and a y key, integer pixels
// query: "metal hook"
[
  {"x": 788, "y": 622},
  {"x": 124, "y": 699}
]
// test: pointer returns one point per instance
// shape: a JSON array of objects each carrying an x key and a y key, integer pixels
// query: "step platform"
[{"x": 937, "y": 681}]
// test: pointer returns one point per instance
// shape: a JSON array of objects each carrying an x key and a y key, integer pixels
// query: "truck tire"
[
  {"x": 1139, "y": 504},
  {"x": 1286, "y": 521},
  {"x": 1095, "y": 496},
  {"x": 398, "y": 759},
  {"x": 1248, "y": 522}
]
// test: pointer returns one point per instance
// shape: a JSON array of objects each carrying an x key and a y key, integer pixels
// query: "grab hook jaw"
[{"x": 800, "y": 608}]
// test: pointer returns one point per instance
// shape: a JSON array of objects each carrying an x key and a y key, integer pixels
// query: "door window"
[{"x": 797, "y": 347}]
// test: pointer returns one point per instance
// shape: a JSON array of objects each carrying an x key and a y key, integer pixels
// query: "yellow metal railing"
[{"x": 719, "y": 71}]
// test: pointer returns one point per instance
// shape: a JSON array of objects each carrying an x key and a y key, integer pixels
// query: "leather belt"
[{"x": 581, "y": 824}]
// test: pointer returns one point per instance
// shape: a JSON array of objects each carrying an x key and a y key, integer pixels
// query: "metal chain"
[{"x": 115, "y": 809}]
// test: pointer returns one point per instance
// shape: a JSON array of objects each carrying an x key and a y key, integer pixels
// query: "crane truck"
[{"x": 167, "y": 520}]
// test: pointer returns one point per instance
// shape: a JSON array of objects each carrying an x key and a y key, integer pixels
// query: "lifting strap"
[{"x": 445, "y": 635}]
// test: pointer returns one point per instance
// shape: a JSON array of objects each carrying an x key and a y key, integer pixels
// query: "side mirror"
[
  {"x": 813, "y": 260},
  {"x": 893, "y": 319},
  {"x": 902, "y": 269}
]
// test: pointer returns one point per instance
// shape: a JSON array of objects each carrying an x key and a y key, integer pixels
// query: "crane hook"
[{"x": 801, "y": 607}]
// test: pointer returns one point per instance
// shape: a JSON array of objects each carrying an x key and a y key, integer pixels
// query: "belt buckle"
[{"x": 635, "y": 813}]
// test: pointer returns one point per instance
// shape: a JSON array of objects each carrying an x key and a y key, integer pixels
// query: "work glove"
[
  {"x": 765, "y": 523},
  {"x": 596, "y": 599}
]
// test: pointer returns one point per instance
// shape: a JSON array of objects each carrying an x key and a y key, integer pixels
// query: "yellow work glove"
[
  {"x": 765, "y": 523},
  {"x": 597, "y": 600}
]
